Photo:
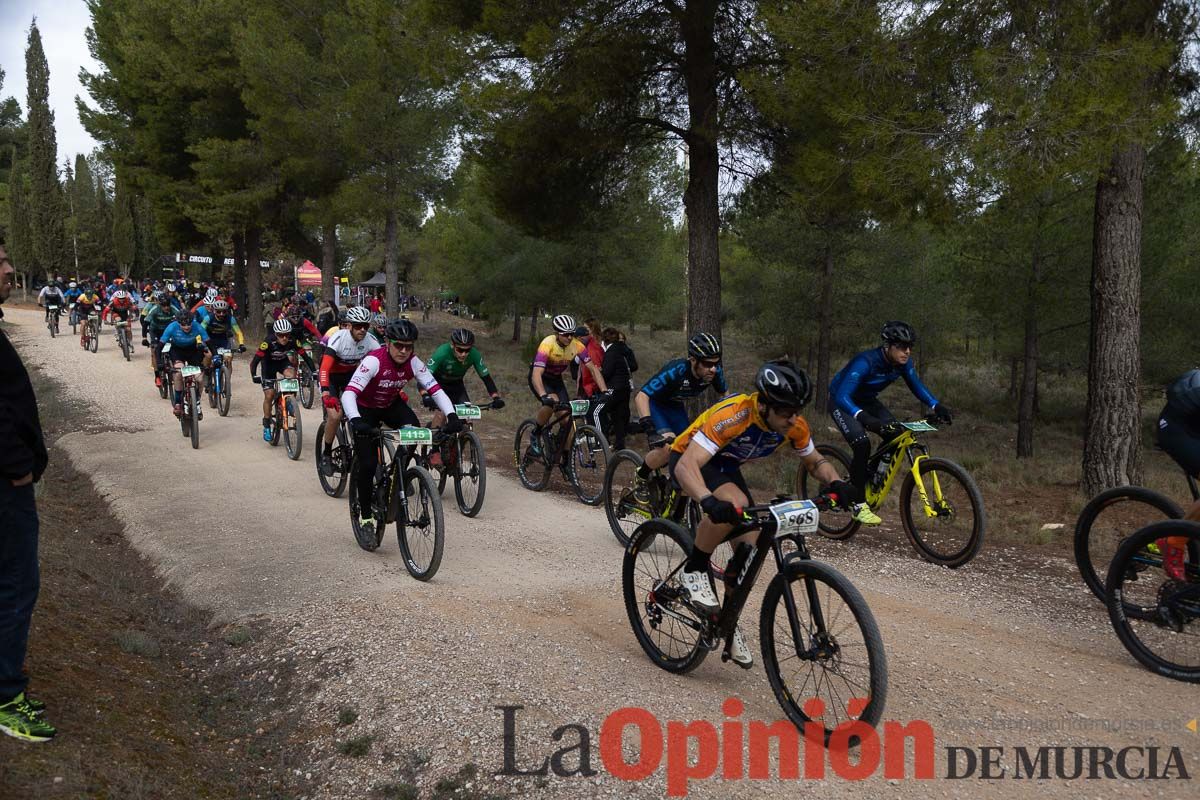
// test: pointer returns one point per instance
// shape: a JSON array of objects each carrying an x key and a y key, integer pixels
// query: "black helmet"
[
  {"x": 183, "y": 317},
  {"x": 401, "y": 330},
  {"x": 705, "y": 346},
  {"x": 897, "y": 332},
  {"x": 782, "y": 383},
  {"x": 462, "y": 337}
]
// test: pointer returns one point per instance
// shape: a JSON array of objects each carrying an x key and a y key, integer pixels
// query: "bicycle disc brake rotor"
[{"x": 824, "y": 648}]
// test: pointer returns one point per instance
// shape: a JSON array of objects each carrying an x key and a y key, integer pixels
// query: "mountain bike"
[
  {"x": 189, "y": 417},
  {"x": 1109, "y": 518},
  {"x": 72, "y": 317},
  {"x": 122, "y": 333},
  {"x": 162, "y": 370},
  {"x": 91, "y": 332},
  {"x": 286, "y": 424},
  {"x": 404, "y": 493},
  {"x": 941, "y": 507},
  {"x": 1156, "y": 612},
  {"x": 218, "y": 381},
  {"x": 341, "y": 455},
  {"x": 623, "y": 510},
  {"x": 462, "y": 458},
  {"x": 308, "y": 384},
  {"x": 816, "y": 632},
  {"x": 586, "y": 452},
  {"x": 52, "y": 322}
]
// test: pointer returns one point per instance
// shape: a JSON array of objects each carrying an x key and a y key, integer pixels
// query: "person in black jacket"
[
  {"x": 22, "y": 461},
  {"x": 618, "y": 368}
]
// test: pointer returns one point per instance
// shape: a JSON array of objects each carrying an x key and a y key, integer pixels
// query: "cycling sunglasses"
[
  {"x": 462, "y": 350},
  {"x": 360, "y": 326},
  {"x": 400, "y": 344},
  {"x": 709, "y": 364}
]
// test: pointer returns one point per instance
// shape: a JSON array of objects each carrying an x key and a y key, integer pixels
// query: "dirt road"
[{"x": 527, "y": 611}]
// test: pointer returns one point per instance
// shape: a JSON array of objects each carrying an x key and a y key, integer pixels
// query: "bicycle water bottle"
[{"x": 885, "y": 463}]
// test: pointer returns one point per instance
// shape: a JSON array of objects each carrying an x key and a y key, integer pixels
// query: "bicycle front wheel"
[
  {"x": 94, "y": 339},
  {"x": 308, "y": 392},
  {"x": 422, "y": 533},
  {"x": 1157, "y": 616},
  {"x": 368, "y": 539},
  {"x": 193, "y": 411},
  {"x": 946, "y": 526},
  {"x": 589, "y": 463},
  {"x": 533, "y": 468},
  {"x": 340, "y": 455},
  {"x": 666, "y": 627},
  {"x": 225, "y": 390},
  {"x": 1109, "y": 519},
  {"x": 829, "y": 648},
  {"x": 808, "y": 487},
  {"x": 293, "y": 432},
  {"x": 624, "y": 512},
  {"x": 470, "y": 473}
]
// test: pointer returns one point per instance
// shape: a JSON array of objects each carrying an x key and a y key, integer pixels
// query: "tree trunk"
[
  {"x": 1013, "y": 374},
  {"x": 329, "y": 281},
  {"x": 239, "y": 275},
  {"x": 516, "y": 337},
  {"x": 1028, "y": 369},
  {"x": 1112, "y": 441},
  {"x": 700, "y": 198},
  {"x": 533, "y": 317},
  {"x": 390, "y": 267},
  {"x": 254, "y": 302},
  {"x": 825, "y": 330}
]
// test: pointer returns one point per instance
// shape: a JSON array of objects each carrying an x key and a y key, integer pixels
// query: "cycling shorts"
[
  {"x": 1179, "y": 440},
  {"x": 191, "y": 356},
  {"x": 672, "y": 418},
  {"x": 554, "y": 385},
  {"x": 717, "y": 472},
  {"x": 457, "y": 391}
]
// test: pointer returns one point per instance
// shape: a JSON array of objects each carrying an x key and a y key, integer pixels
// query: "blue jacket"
[
  {"x": 868, "y": 374},
  {"x": 675, "y": 383},
  {"x": 175, "y": 335}
]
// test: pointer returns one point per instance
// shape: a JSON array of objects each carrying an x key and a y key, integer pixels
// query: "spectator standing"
[
  {"x": 22, "y": 461},
  {"x": 592, "y": 340},
  {"x": 617, "y": 367},
  {"x": 375, "y": 304}
]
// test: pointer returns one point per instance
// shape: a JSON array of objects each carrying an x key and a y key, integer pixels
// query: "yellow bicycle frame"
[{"x": 875, "y": 497}]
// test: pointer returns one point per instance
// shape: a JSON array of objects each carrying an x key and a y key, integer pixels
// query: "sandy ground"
[{"x": 527, "y": 610}]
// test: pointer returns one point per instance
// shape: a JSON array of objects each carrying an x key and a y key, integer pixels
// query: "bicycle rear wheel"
[
  {"x": 340, "y": 456},
  {"x": 422, "y": 534},
  {"x": 589, "y": 464},
  {"x": 831, "y": 649},
  {"x": 624, "y": 513},
  {"x": 532, "y": 468},
  {"x": 669, "y": 631},
  {"x": 1110, "y": 518},
  {"x": 1156, "y": 617},
  {"x": 470, "y": 473},
  {"x": 308, "y": 392},
  {"x": 808, "y": 487},
  {"x": 954, "y": 534},
  {"x": 94, "y": 338}
]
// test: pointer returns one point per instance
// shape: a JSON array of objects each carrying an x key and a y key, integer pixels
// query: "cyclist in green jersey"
[{"x": 449, "y": 365}]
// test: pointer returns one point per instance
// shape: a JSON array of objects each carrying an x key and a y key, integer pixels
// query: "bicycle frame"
[{"x": 901, "y": 448}]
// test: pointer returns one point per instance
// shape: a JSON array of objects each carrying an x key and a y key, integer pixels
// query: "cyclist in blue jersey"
[
  {"x": 660, "y": 401},
  {"x": 189, "y": 345},
  {"x": 855, "y": 407}
]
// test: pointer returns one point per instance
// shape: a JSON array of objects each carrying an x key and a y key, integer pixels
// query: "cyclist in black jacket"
[{"x": 617, "y": 369}]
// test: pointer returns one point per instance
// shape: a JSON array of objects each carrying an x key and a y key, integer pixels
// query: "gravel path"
[{"x": 526, "y": 610}]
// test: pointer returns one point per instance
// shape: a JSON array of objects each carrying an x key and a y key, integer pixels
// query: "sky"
[{"x": 62, "y": 24}]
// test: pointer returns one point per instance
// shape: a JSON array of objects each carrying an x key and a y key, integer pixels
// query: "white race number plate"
[
  {"x": 796, "y": 516},
  {"x": 287, "y": 385},
  {"x": 224, "y": 351}
]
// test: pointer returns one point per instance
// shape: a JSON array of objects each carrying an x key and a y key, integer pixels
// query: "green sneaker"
[
  {"x": 19, "y": 720},
  {"x": 366, "y": 525},
  {"x": 866, "y": 516}
]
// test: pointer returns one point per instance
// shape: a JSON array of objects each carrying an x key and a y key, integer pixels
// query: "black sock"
[
  {"x": 328, "y": 448},
  {"x": 266, "y": 422},
  {"x": 697, "y": 560},
  {"x": 643, "y": 472}
]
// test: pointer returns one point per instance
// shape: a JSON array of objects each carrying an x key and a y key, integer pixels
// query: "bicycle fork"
[{"x": 934, "y": 509}]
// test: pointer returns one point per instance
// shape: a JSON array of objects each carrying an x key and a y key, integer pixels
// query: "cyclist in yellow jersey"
[
  {"x": 554, "y": 355},
  {"x": 706, "y": 462}
]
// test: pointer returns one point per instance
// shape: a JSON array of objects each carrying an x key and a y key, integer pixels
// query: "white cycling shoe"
[
  {"x": 700, "y": 589},
  {"x": 739, "y": 651}
]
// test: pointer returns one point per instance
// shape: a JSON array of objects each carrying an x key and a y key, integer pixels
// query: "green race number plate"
[
  {"x": 918, "y": 427},
  {"x": 189, "y": 371},
  {"x": 579, "y": 408},
  {"x": 409, "y": 435},
  {"x": 468, "y": 411},
  {"x": 288, "y": 385}
]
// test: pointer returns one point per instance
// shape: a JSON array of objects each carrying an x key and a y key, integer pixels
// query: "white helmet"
[
  {"x": 170, "y": 287},
  {"x": 564, "y": 323},
  {"x": 282, "y": 326},
  {"x": 219, "y": 305},
  {"x": 72, "y": 285},
  {"x": 358, "y": 315},
  {"x": 120, "y": 294},
  {"x": 210, "y": 295}
]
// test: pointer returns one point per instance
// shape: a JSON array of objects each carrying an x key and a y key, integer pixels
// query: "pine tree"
[{"x": 46, "y": 207}]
